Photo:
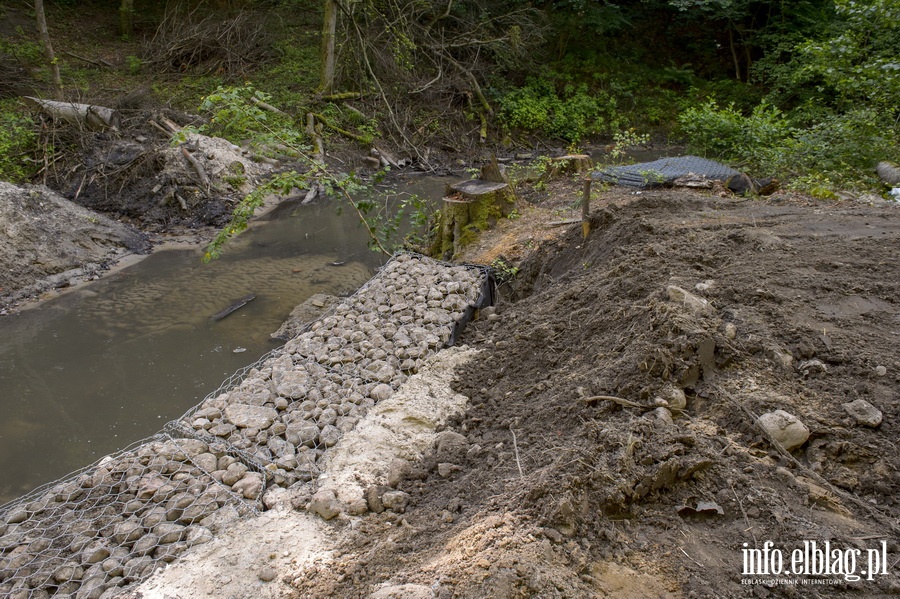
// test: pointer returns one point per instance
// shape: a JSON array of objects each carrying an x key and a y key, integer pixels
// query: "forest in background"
[{"x": 805, "y": 91}]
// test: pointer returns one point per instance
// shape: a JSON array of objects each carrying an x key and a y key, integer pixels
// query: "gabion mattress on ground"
[{"x": 112, "y": 524}]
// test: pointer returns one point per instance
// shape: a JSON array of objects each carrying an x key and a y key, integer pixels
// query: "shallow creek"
[{"x": 101, "y": 367}]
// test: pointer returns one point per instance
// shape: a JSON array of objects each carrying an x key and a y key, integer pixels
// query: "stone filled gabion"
[
  {"x": 293, "y": 406},
  {"x": 402, "y": 316},
  {"x": 114, "y": 523},
  {"x": 117, "y": 521}
]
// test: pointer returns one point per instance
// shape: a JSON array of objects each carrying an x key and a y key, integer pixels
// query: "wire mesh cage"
[
  {"x": 111, "y": 524},
  {"x": 114, "y": 522}
]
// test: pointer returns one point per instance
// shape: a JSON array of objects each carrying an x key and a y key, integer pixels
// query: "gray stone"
[
  {"x": 138, "y": 567},
  {"x": 247, "y": 416},
  {"x": 128, "y": 531},
  {"x": 446, "y": 441},
  {"x": 357, "y": 507},
  {"x": 17, "y": 516},
  {"x": 145, "y": 545},
  {"x": 446, "y": 469},
  {"x": 330, "y": 435},
  {"x": 234, "y": 473},
  {"x": 250, "y": 486},
  {"x": 302, "y": 433},
  {"x": 95, "y": 552},
  {"x": 381, "y": 392},
  {"x": 205, "y": 505},
  {"x": 696, "y": 304},
  {"x": 675, "y": 398},
  {"x": 784, "y": 428},
  {"x": 397, "y": 471},
  {"x": 663, "y": 416},
  {"x": 267, "y": 574},
  {"x": 198, "y": 535},
  {"x": 863, "y": 412},
  {"x": 293, "y": 385},
  {"x": 206, "y": 461},
  {"x": 169, "y": 532},
  {"x": 395, "y": 500},
  {"x": 325, "y": 504}
]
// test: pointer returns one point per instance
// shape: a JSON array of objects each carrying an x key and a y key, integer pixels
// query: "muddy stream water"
[{"x": 94, "y": 370}]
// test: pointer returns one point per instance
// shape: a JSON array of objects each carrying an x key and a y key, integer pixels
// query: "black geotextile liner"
[{"x": 663, "y": 171}]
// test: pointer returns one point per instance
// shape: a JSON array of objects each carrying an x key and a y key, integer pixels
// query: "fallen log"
[
  {"x": 235, "y": 306},
  {"x": 94, "y": 117}
]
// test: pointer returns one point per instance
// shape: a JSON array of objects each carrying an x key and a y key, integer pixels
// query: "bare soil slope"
[
  {"x": 559, "y": 492},
  {"x": 48, "y": 242}
]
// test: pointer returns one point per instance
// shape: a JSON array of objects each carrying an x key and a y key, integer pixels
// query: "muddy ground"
[{"x": 560, "y": 492}]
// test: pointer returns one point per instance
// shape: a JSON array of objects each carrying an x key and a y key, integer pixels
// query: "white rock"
[
  {"x": 325, "y": 504},
  {"x": 785, "y": 428},
  {"x": 246, "y": 416},
  {"x": 863, "y": 412},
  {"x": 696, "y": 304}
]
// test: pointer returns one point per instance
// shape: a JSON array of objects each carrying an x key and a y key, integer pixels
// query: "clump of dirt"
[
  {"x": 47, "y": 242},
  {"x": 612, "y": 445},
  {"x": 160, "y": 185}
]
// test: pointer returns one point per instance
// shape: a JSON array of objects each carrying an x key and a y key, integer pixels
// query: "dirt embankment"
[
  {"x": 612, "y": 445},
  {"x": 47, "y": 242}
]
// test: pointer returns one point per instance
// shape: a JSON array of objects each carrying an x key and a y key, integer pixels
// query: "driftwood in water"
[
  {"x": 236, "y": 305},
  {"x": 94, "y": 117}
]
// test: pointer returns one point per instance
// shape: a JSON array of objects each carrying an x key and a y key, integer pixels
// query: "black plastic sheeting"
[{"x": 664, "y": 171}]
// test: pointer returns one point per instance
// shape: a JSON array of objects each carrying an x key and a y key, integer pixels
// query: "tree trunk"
[
  {"x": 470, "y": 207},
  {"x": 329, "y": 27},
  {"x": 126, "y": 18},
  {"x": 48, "y": 47}
]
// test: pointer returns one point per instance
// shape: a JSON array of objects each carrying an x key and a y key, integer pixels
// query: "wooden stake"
[{"x": 586, "y": 208}]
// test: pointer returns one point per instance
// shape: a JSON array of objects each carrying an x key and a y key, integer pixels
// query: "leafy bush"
[
  {"x": 572, "y": 115},
  {"x": 18, "y": 140},
  {"x": 840, "y": 150},
  {"x": 237, "y": 118}
]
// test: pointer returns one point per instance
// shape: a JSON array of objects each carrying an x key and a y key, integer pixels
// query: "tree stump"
[
  {"x": 469, "y": 208},
  {"x": 570, "y": 164}
]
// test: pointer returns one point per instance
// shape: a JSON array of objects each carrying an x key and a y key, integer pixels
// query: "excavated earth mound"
[
  {"x": 612, "y": 446},
  {"x": 47, "y": 241}
]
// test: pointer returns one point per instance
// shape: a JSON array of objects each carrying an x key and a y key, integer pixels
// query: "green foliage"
[
  {"x": 861, "y": 62},
  {"x": 838, "y": 150},
  {"x": 134, "y": 64},
  {"x": 396, "y": 223},
  {"x": 18, "y": 142},
  {"x": 504, "y": 272},
  {"x": 235, "y": 117},
  {"x": 627, "y": 138},
  {"x": 25, "y": 51},
  {"x": 572, "y": 114},
  {"x": 280, "y": 184}
]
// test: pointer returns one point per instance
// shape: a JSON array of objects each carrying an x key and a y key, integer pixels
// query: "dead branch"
[
  {"x": 266, "y": 106},
  {"x": 197, "y": 167},
  {"x": 99, "y": 63},
  {"x": 230, "y": 46},
  {"x": 322, "y": 119}
]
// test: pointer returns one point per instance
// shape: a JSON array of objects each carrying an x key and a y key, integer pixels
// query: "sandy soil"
[{"x": 49, "y": 243}]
